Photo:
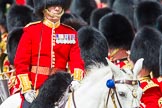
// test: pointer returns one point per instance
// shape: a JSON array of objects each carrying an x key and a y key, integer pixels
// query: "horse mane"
[
  {"x": 94, "y": 82},
  {"x": 95, "y": 72}
]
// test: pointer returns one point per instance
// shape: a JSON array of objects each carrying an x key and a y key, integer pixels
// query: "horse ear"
[
  {"x": 116, "y": 70},
  {"x": 137, "y": 67}
]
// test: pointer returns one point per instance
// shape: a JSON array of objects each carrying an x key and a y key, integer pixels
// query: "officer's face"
[
  {"x": 55, "y": 9},
  {"x": 53, "y": 13}
]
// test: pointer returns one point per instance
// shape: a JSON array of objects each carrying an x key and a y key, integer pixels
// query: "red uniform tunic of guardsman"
[
  {"x": 58, "y": 44},
  {"x": 152, "y": 95}
]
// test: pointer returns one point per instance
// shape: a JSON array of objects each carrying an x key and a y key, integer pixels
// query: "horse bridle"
[{"x": 113, "y": 92}]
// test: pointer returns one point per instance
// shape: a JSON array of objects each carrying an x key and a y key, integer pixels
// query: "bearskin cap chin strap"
[{"x": 58, "y": 15}]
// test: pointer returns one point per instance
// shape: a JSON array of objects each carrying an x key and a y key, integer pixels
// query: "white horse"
[{"x": 92, "y": 91}]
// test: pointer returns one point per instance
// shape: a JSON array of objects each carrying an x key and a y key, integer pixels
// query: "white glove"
[
  {"x": 74, "y": 85},
  {"x": 30, "y": 96}
]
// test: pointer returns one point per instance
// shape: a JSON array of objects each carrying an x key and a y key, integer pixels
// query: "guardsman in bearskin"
[
  {"x": 13, "y": 39},
  {"x": 17, "y": 17},
  {"x": 119, "y": 34},
  {"x": 159, "y": 79},
  {"x": 146, "y": 44},
  {"x": 146, "y": 13},
  {"x": 46, "y": 46}
]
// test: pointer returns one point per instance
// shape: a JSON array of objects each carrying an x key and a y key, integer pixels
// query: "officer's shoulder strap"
[
  {"x": 68, "y": 26},
  {"x": 32, "y": 23}
]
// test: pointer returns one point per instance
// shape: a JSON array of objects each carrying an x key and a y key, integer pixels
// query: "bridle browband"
[{"x": 112, "y": 90}]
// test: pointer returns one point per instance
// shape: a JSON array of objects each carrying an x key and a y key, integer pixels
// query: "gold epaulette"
[
  {"x": 145, "y": 79},
  {"x": 32, "y": 23},
  {"x": 25, "y": 83},
  {"x": 149, "y": 85},
  {"x": 68, "y": 26},
  {"x": 78, "y": 74}
]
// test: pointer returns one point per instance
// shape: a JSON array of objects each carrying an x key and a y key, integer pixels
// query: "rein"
[
  {"x": 113, "y": 97},
  {"x": 73, "y": 99},
  {"x": 113, "y": 92}
]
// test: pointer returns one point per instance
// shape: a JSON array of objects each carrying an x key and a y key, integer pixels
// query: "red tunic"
[
  {"x": 152, "y": 94},
  {"x": 53, "y": 53}
]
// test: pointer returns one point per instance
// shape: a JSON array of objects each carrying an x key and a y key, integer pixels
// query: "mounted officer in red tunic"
[{"x": 46, "y": 46}]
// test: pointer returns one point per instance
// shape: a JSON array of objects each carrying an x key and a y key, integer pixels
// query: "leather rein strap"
[
  {"x": 73, "y": 99},
  {"x": 113, "y": 97}
]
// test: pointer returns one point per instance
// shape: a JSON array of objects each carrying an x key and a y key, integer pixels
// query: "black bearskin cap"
[
  {"x": 18, "y": 16},
  {"x": 66, "y": 16},
  {"x": 159, "y": 23},
  {"x": 40, "y": 5},
  {"x": 93, "y": 46},
  {"x": 117, "y": 30},
  {"x": 103, "y": 1},
  {"x": 73, "y": 20},
  {"x": 75, "y": 23},
  {"x": 14, "y": 37},
  {"x": 52, "y": 90},
  {"x": 147, "y": 12},
  {"x": 30, "y": 3},
  {"x": 125, "y": 8},
  {"x": 110, "y": 3},
  {"x": 146, "y": 44},
  {"x": 97, "y": 14},
  {"x": 83, "y": 8}
]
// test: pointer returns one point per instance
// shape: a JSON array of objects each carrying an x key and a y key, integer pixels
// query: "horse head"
[{"x": 124, "y": 87}]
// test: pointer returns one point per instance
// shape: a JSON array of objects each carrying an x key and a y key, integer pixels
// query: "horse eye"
[{"x": 122, "y": 94}]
